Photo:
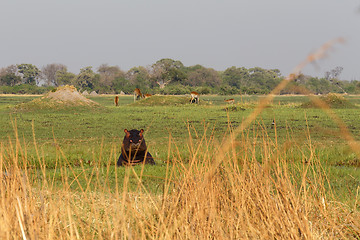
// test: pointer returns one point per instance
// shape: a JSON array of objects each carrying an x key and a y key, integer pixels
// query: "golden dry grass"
[{"x": 217, "y": 195}]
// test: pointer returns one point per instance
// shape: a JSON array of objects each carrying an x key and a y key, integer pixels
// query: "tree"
[
  {"x": 8, "y": 76},
  {"x": 29, "y": 73},
  {"x": 48, "y": 73},
  {"x": 263, "y": 80},
  {"x": 167, "y": 70},
  {"x": 157, "y": 75},
  {"x": 108, "y": 74},
  {"x": 236, "y": 77},
  {"x": 122, "y": 84},
  {"x": 86, "y": 79},
  {"x": 333, "y": 73},
  {"x": 139, "y": 77},
  {"x": 63, "y": 77},
  {"x": 202, "y": 76},
  {"x": 333, "y": 77}
]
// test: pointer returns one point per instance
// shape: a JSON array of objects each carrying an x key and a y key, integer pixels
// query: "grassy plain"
[
  {"x": 83, "y": 145},
  {"x": 91, "y": 137}
]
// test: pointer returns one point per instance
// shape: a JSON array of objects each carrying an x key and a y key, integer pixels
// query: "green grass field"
[
  {"x": 72, "y": 151},
  {"x": 93, "y": 137}
]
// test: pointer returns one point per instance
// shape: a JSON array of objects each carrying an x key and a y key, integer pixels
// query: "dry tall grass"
[{"x": 217, "y": 195}]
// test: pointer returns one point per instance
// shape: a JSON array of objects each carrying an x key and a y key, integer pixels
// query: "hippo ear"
[
  {"x": 127, "y": 133},
  {"x": 141, "y": 132}
]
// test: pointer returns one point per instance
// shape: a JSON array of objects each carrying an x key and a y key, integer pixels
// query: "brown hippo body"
[{"x": 134, "y": 149}]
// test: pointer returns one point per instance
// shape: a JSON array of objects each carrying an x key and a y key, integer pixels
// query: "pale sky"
[{"x": 213, "y": 33}]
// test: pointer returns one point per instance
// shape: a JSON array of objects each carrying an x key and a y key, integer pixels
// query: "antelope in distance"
[
  {"x": 147, "y": 95},
  {"x": 230, "y": 101},
  {"x": 116, "y": 101},
  {"x": 194, "y": 97},
  {"x": 137, "y": 94}
]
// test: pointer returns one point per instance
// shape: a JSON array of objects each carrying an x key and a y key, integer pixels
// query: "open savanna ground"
[{"x": 293, "y": 172}]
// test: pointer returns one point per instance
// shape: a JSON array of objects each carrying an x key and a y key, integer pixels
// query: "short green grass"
[{"x": 84, "y": 140}]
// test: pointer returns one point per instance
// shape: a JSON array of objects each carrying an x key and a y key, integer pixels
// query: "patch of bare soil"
[
  {"x": 65, "y": 96},
  {"x": 68, "y": 95}
]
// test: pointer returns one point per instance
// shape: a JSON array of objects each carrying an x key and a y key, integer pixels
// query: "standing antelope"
[
  {"x": 137, "y": 94},
  {"x": 116, "y": 101},
  {"x": 230, "y": 101},
  {"x": 194, "y": 97}
]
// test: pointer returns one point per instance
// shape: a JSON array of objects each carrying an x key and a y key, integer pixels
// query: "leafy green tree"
[
  {"x": 139, "y": 77},
  {"x": 236, "y": 77},
  {"x": 202, "y": 76},
  {"x": 86, "y": 79},
  {"x": 167, "y": 70},
  {"x": 176, "y": 75},
  {"x": 318, "y": 86},
  {"x": 63, "y": 77},
  {"x": 29, "y": 73},
  {"x": 263, "y": 80},
  {"x": 122, "y": 84},
  {"x": 10, "y": 79},
  {"x": 228, "y": 90}
]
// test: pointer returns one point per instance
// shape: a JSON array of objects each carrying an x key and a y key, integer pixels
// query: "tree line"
[{"x": 167, "y": 76}]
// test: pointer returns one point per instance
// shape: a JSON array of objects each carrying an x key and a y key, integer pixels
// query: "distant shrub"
[
  {"x": 24, "y": 89},
  {"x": 175, "y": 90},
  {"x": 334, "y": 100},
  {"x": 162, "y": 101},
  {"x": 228, "y": 90},
  {"x": 234, "y": 108}
]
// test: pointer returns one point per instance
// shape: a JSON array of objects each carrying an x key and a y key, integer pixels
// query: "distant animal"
[
  {"x": 137, "y": 94},
  {"x": 134, "y": 149},
  {"x": 116, "y": 100},
  {"x": 194, "y": 97},
  {"x": 230, "y": 101},
  {"x": 147, "y": 95}
]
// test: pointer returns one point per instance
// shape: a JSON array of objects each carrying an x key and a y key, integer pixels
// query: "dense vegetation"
[{"x": 167, "y": 76}]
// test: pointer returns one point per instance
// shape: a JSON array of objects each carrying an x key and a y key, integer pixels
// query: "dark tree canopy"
[{"x": 202, "y": 76}]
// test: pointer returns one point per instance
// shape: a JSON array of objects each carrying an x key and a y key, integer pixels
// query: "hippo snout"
[{"x": 134, "y": 145}]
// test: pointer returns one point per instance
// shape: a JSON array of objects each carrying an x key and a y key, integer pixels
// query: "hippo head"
[{"x": 134, "y": 140}]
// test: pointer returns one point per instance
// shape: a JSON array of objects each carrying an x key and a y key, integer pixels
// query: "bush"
[
  {"x": 24, "y": 89},
  {"x": 333, "y": 100},
  {"x": 175, "y": 90},
  {"x": 227, "y": 90}
]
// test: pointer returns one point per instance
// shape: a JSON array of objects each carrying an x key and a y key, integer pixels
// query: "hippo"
[{"x": 134, "y": 149}]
